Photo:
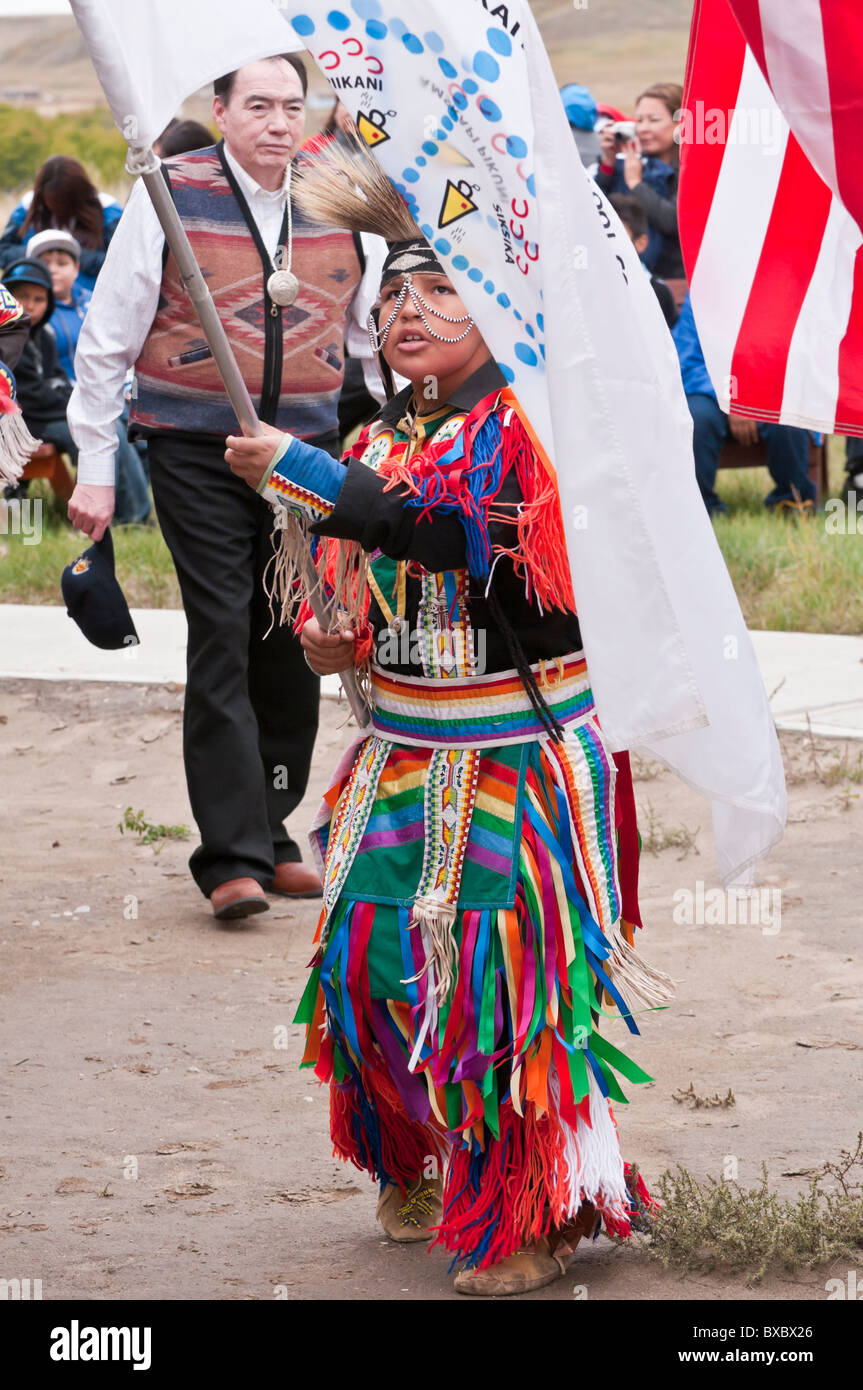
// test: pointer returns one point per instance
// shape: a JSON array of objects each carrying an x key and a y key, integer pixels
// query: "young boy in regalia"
[{"x": 475, "y": 950}]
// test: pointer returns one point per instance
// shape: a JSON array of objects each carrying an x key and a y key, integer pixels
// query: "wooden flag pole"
[{"x": 145, "y": 164}]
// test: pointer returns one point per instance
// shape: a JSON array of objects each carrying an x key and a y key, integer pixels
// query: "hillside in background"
[
  {"x": 43, "y": 62},
  {"x": 612, "y": 46}
]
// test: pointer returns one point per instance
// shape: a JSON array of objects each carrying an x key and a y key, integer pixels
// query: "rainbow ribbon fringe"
[{"x": 510, "y": 1068}]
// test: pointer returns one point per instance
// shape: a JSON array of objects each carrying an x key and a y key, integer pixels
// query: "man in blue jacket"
[{"x": 787, "y": 446}]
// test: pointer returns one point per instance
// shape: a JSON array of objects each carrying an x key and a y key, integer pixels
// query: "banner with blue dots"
[{"x": 440, "y": 93}]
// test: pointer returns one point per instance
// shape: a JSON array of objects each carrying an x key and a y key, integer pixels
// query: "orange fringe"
[{"x": 539, "y": 554}]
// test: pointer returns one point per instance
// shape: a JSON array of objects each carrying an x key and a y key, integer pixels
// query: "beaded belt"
[{"x": 470, "y": 711}]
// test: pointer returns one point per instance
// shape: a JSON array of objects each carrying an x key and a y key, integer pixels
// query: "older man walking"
[{"x": 285, "y": 290}]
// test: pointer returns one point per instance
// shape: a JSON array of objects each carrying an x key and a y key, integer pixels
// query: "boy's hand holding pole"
[{"x": 250, "y": 457}]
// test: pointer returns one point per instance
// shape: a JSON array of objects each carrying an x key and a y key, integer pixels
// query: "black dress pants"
[{"x": 251, "y": 709}]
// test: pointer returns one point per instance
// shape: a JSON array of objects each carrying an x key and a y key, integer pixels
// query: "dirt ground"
[{"x": 159, "y": 1140}]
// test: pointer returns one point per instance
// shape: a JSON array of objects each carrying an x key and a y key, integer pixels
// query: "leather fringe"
[{"x": 16, "y": 446}]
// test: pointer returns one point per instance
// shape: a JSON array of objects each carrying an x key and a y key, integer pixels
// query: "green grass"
[
  {"x": 147, "y": 832},
  {"x": 789, "y": 578},
  {"x": 31, "y": 573}
]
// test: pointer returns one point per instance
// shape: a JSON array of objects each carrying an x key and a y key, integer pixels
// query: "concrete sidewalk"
[
  {"x": 45, "y": 644},
  {"x": 812, "y": 678},
  {"x": 806, "y": 674}
]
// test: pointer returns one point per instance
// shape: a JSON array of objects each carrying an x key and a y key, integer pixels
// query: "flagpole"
[{"x": 144, "y": 163}]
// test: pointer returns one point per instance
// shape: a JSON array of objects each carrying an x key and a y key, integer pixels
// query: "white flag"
[
  {"x": 150, "y": 55},
  {"x": 459, "y": 104}
]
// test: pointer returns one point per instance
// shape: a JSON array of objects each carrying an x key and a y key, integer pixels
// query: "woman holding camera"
[{"x": 646, "y": 163}]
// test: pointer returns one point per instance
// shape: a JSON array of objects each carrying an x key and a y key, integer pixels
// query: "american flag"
[{"x": 771, "y": 206}]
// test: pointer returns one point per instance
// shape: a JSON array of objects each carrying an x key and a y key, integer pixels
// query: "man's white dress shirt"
[{"x": 124, "y": 305}]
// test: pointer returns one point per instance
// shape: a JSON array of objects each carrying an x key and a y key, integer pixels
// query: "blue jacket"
[
  {"x": 657, "y": 194},
  {"x": 696, "y": 380},
  {"x": 66, "y": 322},
  {"x": 693, "y": 370}
]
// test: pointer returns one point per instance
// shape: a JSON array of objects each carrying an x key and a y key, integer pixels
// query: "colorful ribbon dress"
[{"x": 475, "y": 969}]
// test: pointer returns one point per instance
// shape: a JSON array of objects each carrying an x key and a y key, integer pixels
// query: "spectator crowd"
[{"x": 636, "y": 163}]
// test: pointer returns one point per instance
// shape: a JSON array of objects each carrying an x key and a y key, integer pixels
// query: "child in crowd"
[
  {"x": 44, "y": 387},
  {"x": 61, "y": 254}
]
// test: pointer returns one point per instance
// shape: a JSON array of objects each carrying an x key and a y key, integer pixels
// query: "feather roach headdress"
[{"x": 342, "y": 185}]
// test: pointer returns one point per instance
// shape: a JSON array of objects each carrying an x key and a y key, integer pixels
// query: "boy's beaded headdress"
[{"x": 341, "y": 184}]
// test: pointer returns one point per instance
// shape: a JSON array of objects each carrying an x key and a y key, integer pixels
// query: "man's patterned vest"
[{"x": 292, "y": 360}]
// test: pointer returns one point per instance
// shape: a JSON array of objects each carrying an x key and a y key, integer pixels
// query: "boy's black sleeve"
[
  {"x": 56, "y": 380},
  {"x": 666, "y": 300}
]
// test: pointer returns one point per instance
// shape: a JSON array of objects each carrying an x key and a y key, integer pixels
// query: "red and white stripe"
[{"x": 770, "y": 228}]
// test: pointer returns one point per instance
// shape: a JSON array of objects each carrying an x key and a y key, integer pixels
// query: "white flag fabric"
[
  {"x": 771, "y": 207},
  {"x": 459, "y": 104},
  {"x": 150, "y": 55}
]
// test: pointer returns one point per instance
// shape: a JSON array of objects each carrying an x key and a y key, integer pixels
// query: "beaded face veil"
[{"x": 410, "y": 258}]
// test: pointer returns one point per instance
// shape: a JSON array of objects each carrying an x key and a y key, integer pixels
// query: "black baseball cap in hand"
[{"x": 95, "y": 600}]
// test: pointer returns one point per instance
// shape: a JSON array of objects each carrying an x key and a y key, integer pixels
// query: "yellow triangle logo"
[
  {"x": 371, "y": 133},
  {"x": 456, "y": 204}
]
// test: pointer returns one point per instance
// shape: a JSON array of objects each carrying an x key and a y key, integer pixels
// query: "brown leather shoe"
[
  {"x": 533, "y": 1267},
  {"x": 239, "y": 897},
  {"x": 528, "y": 1269},
  {"x": 295, "y": 881}
]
